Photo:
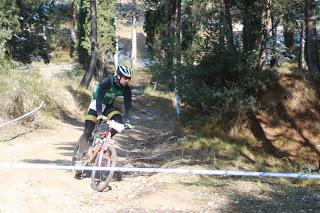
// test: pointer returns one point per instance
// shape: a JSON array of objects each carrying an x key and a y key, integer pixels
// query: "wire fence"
[
  {"x": 23, "y": 116},
  {"x": 161, "y": 170},
  {"x": 147, "y": 170}
]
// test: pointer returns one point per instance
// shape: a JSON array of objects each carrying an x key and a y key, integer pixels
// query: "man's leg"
[
  {"x": 83, "y": 141},
  {"x": 90, "y": 122},
  {"x": 89, "y": 125}
]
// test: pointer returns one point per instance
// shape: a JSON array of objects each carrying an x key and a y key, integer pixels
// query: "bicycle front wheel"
[{"x": 101, "y": 179}]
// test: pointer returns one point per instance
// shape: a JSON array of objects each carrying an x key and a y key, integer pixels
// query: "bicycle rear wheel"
[{"x": 101, "y": 179}]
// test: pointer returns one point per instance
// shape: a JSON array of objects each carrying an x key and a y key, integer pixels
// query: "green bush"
[{"x": 221, "y": 83}]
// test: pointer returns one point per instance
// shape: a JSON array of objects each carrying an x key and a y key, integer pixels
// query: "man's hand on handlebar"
[
  {"x": 127, "y": 124},
  {"x": 101, "y": 117}
]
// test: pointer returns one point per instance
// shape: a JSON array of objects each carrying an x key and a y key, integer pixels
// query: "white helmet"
[{"x": 124, "y": 71}]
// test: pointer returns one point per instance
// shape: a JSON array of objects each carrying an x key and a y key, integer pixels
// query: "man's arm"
[
  {"x": 127, "y": 96},
  {"x": 104, "y": 85}
]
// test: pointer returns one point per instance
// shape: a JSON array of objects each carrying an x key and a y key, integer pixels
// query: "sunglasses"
[{"x": 126, "y": 78}]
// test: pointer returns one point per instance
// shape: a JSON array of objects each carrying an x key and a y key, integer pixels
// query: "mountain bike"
[{"x": 101, "y": 153}]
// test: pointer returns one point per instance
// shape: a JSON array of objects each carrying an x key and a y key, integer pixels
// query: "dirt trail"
[
  {"x": 25, "y": 190},
  {"x": 147, "y": 145},
  {"x": 57, "y": 191}
]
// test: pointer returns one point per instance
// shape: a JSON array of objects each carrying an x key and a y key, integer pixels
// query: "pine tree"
[
  {"x": 84, "y": 30},
  {"x": 106, "y": 12},
  {"x": 94, "y": 49}
]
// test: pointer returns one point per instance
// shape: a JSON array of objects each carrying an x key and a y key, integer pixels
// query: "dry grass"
[{"x": 22, "y": 90}]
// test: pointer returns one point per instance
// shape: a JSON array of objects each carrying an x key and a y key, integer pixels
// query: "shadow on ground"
[
  {"x": 50, "y": 162},
  {"x": 65, "y": 149},
  {"x": 276, "y": 199},
  {"x": 16, "y": 136},
  {"x": 258, "y": 195}
]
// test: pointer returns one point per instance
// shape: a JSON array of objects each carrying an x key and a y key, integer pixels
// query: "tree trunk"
[
  {"x": 258, "y": 132},
  {"x": 100, "y": 69},
  {"x": 94, "y": 52},
  {"x": 73, "y": 27},
  {"x": 251, "y": 26},
  {"x": 311, "y": 40},
  {"x": 275, "y": 24},
  {"x": 116, "y": 54},
  {"x": 134, "y": 36},
  {"x": 44, "y": 31},
  {"x": 178, "y": 31},
  {"x": 263, "y": 52},
  {"x": 177, "y": 55},
  {"x": 288, "y": 33},
  {"x": 170, "y": 34},
  {"x": 302, "y": 63},
  {"x": 172, "y": 42},
  {"x": 248, "y": 40}
]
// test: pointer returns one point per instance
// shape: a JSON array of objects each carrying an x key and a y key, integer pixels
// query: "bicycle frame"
[
  {"x": 100, "y": 143},
  {"x": 101, "y": 153},
  {"x": 107, "y": 141},
  {"x": 104, "y": 155}
]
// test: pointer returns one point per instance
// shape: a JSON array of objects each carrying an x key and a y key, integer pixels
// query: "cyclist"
[{"x": 102, "y": 104}]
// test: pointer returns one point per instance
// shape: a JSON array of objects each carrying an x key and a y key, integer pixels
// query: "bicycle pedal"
[
  {"x": 117, "y": 176},
  {"x": 78, "y": 175}
]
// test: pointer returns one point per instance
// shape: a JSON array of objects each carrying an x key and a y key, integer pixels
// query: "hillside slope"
[{"x": 291, "y": 118}]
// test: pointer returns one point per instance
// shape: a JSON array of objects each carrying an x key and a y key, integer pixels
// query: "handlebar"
[
  {"x": 116, "y": 126},
  {"x": 119, "y": 127}
]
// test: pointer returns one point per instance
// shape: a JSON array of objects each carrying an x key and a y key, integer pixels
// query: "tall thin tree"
[
  {"x": 266, "y": 15},
  {"x": 94, "y": 51},
  {"x": 311, "y": 37},
  {"x": 302, "y": 63},
  {"x": 177, "y": 48},
  {"x": 73, "y": 27},
  {"x": 134, "y": 35},
  {"x": 83, "y": 33},
  {"x": 116, "y": 54}
]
